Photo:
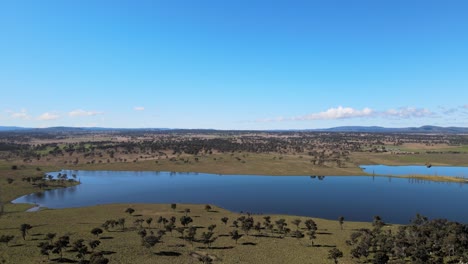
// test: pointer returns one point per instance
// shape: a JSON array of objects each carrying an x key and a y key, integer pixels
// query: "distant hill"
[
  {"x": 361, "y": 129},
  {"x": 10, "y": 128},
  {"x": 377, "y": 129}
]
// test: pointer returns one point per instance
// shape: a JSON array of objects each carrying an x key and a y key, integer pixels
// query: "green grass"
[{"x": 78, "y": 223}]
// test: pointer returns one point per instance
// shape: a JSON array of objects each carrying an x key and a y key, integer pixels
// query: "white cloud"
[
  {"x": 139, "y": 108},
  {"x": 407, "y": 112},
  {"x": 349, "y": 112},
  {"x": 80, "y": 112},
  {"x": 23, "y": 114},
  {"x": 337, "y": 113},
  {"x": 48, "y": 116},
  {"x": 465, "y": 106}
]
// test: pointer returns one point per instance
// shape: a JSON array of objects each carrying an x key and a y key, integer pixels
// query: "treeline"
[{"x": 423, "y": 241}]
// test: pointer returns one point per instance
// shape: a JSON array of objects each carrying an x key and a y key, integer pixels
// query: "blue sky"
[{"x": 233, "y": 64}]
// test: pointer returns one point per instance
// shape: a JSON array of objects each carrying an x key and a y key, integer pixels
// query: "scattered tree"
[
  {"x": 96, "y": 231},
  {"x": 335, "y": 254},
  {"x": 6, "y": 239},
  {"x": 24, "y": 230},
  {"x": 130, "y": 211},
  {"x": 341, "y": 221}
]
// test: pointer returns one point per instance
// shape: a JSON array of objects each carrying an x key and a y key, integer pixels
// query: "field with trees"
[{"x": 190, "y": 233}]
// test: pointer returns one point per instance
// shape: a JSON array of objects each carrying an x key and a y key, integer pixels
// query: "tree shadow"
[
  {"x": 16, "y": 245},
  {"x": 106, "y": 237},
  {"x": 249, "y": 244},
  {"x": 263, "y": 235},
  {"x": 168, "y": 254},
  {"x": 324, "y": 233},
  {"x": 64, "y": 260},
  {"x": 108, "y": 252},
  {"x": 325, "y": 246},
  {"x": 228, "y": 247},
  {"x": 176, "y": 246}
]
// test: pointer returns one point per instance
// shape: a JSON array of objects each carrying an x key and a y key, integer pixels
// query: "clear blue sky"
[{"x": 233, "y": 64}]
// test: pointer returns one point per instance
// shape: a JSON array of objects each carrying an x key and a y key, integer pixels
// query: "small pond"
[{"x": 357, "y": 198}]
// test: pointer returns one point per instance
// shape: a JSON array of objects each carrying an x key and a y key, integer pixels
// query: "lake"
[{"x": 357, "y": 198}]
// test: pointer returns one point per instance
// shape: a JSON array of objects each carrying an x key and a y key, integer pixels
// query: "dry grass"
[{"x": 447, "y": 159}]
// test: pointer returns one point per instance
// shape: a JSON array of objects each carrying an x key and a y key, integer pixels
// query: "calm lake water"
[{"x": 357, "y": 198}]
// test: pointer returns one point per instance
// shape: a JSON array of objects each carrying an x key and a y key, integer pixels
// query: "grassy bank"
[{"x": 125, "y": 246}]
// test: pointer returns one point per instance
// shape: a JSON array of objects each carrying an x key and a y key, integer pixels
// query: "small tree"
[
  {"x": 211, "y": 228},
  {"x": 335, "y": 254},
  {"x": 281, "y": 224},
  {"x": 191, "y": 232},
  {"x": 185, "y": 220},
  {"x": 181, "y": 231},
  {"x": 224, "y": 220},
  {"x": 96, "y": 231},
  {"x": 60, "y": 245},
  {"x": 297, "y": 234},
  {"x": 312, "y": 236},
  {"x": 310, "y": 225},
  {"x": 173, "y": 206},
  {"x": 169, "y": 227},
  {"x": 130, "y": 211},
  {"x": 258, "y": 227},
  {"x": 208, "y": 239},
  {"x": 45, "y": 248},
  {"x": 24, "y": 230},
  {"x": 142, "y": 233},
  {"x": 297, "y": 222},
  {"x": 148, "y": 221},
  {"x": 50, "y": 237},
  {"x": 98, "y": 258},
  {"x": 207, "y": 207},
  {"x": 235, "y": 235},
  {"x": 80, "y": 248},
  {"x": 6, "y": 239},
  {"x": 150, "y": 241},
  {"x": 341, "y": 221},
  {"x": 186, "y": 211},
  {"x": 247, "y": 224},
  {"x": 121, "y": 223},
  {"x": 94, "y": 244},
  {"x": 378, "y": 222}
]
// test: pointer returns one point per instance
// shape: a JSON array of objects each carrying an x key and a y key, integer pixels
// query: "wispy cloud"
[
  {"x": 80, "y": 112},
  {"x": 341, "y": 112},
  {"x": 139, "y": 108},
  {"x": 407, "y": 112},
  {"x": 337, "y": 113},
  {"x": 23, "y": 114},
  {"x": 48, "y": 116},
  {"x": 465, "y": 106}
]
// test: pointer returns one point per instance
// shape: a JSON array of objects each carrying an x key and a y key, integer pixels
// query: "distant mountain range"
[
  {"x": 359, "y": 129},
  {"x": 377, "y": 129}
]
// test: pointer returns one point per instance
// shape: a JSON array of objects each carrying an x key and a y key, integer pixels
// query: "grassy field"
[
  {"x": 125, "y": 246},
  {"x": 447, "y": 159}
]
